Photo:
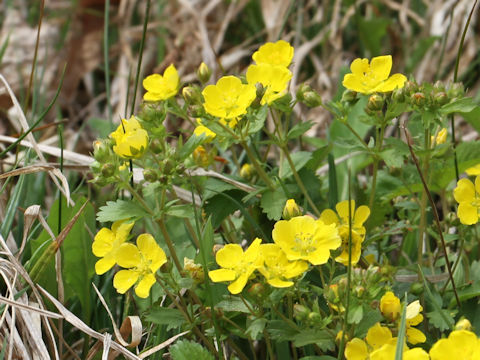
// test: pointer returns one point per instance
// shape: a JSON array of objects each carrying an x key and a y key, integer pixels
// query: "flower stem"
[
  {"x": 376, "y": 160},
  {"x": 263, "y": 175}
]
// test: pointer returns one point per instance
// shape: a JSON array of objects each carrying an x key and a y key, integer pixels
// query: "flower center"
[{"x": 303, "y": 243}]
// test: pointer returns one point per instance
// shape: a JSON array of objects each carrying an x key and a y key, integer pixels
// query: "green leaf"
[
  {"x": 392, "y": 158},
  {"x": 257, "y": 120},
  {"x": 119, "y": 210},
  {"x": 299, "y": 129},
  {"x": 188, "y": 350},
  {"x": 371, "y": 33},
  {"x": 192, "y": 143},
  {"x": 12, "y": 207},
  {"x": 184, "y": 211},
  {"x": 463, "y": 105},
  {"x": 438, "y": 320},
  {"x": 233, "y": 304},
  {"x": 221, "y": 205},
  {"x": 314, "y": 357},
  {"x": 472, "y": 117},
  {"x": 299, "y": 160},
  {"x": 355, "y": 315},
  {"x": 321, "y": 338},
  {"x": 173, "y": 318},
  {"x": 256, "y": 328},
  {"x": 280, "y": 331},
  {"x": 273, "y": 202}
]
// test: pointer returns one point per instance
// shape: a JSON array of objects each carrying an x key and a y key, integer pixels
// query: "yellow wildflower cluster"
[{"x": 140, "y": 261}]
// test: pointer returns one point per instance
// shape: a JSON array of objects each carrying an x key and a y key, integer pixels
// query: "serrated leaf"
[
  {"x": 355, "y": 315},
  {"x": 280, "y": 331},
  {"x": 257, "y": 120},
  {"x": 392, "y": 158},
  {"x": 173, "y": 318},
  {"x": 272, "y": 203},
  {"x": 299, "y": 160},
  {"x": 188, "y": 350},
  {"x": 321, "y": 338},
  {"x": 463, "y": 105},
  {"x": 256, "y": 327},
  {"x": 119, "y": 210},
  {"x": 233, "y": 304},
  {"x": 184, "y": 211},
  {"x": 222, "y": 205},
  {"x": 437, "y": 320},
  {"x": 191, "y": 145},
  {"x": 299, "y": 129}
]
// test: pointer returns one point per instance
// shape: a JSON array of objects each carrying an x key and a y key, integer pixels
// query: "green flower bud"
[
  {"x": 440, "y": 98},
  {"x": 312, "y": 99},
  {"x": 108, "y": 170},
  {"x": 196, "y": 110},
  {"x": 456, "y": 90},
  {"x": 150, "y": 175},
  {"x": 168, "y": 165},
  {"x": 257, "y": 290},
  {"x": 418, "y": 99},
  {"x": 375, "y": 102},
  {"x": 438, "y": 86},
  {"x": 314, "y": 318},
  {"x": 398, "y": 95},
  {"x": 191, "y": 95},
  {"x": 156, "y": 146},
  {"x": 101, "y": 151},
  {"x": 410, "y": 87},
  {"x": 302, "y": 89},
  {"x": 204, "y": 73},
  {"x": 417, "y": 288},
  {"x": 349, "y": 96},
  {"x": 300, "y": 312}
]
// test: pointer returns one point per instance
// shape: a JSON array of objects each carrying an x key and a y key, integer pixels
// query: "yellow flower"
[
  {"x": 463, "y": 324},
  {"x": 273, "y": 78},
  {"x": 460, "y": 344},
  {"x": 304, "y": 238},
  {"x": 278, "y": 53},
  {"x": 468, "y": 197},
  {"x": 142, "y": 262},
  {"x": 387, "y": 352},
  {"x": 369, "y": 78},
  {"x": 413, "y": 318},
  {"x": 377, "y": 336},
  {"x": 107, "y": 242},
  {"x": 359, "y": 216},
  {"x": 201, "y": 129},
  {"x": 277, "y": 269},
  {"x": 441, "y": 136},
  {"x": 229, "y": 98},
  {"x": 131, "y": 139},
  {"x": 390, "y": 306},
  {"x": 161, "y": 87},
  {"x": 237, "y": 265},
  {"x": 194, "y": 270},
  {"x": 247, "y": 171},
  {"x": 474, "y": 170},
  {"x": 201, "y": 157},
  {"x": 291, "y": 210}
]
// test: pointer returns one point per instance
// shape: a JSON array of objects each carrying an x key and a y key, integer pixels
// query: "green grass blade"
[
  {"x": 12, "y": 207},
  {"x": 401, "y": 331}
]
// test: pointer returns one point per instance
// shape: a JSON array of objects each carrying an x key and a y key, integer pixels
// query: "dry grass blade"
[
  {"x": 131, "y": 325},
  {"x": 47, "y": 313},
  {"x": 23, "y": 121},
  {"x": 162, "y": 345},
  {"x": 80, "y": 325}
]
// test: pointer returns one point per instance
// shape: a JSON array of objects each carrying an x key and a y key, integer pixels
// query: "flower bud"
[
  {"x": 302, "y": 89},
  {"x": 410, "y": 87},
  {"x": 375, "y": 102},
  {"x": 196, "y": 110},
  {"x": 291, "y": 210},
  {"x": 201, "y": 157},
  {"x": 463, "y": 324},
  {"x": 108, "y": 170},
  {"x": 312, "y": 99},
  {"x": 191, "y": 95},
  {"x": 216, "y": 248},
  {"x": 441, "y": 136},
  {"x": 398, "y": 95},
  {"x": 101, "y": 151},
  {"x": 390, "y": 306},
  {"x": 300, "y": 312},
  {"x": 156, "y": 146},
  {"x": 168, "y": 165},
  {"x": 418, "y": 99},
  {"x": 195, "y": 271},
  {"x": 416, "y": 288},
  {"x": 247, "y": 171},
  {"x": 456, "y": 90},
  {"x": 440, "y": 98},
  {"x": 204, "y": 73},
  {"x": 438, "y": 86},
  {"x": 257, "y": 290},
  {"x": 314, "y": 318},
  {"x": 349, "y": 96},
  {"x": 150, "y": 175}
]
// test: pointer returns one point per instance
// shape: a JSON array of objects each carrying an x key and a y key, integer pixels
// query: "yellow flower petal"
[
  {"x": 229, "y": 256},
  {"x": 359, "y": 66},
  {"x": 278, "y": 283},
  {"x": 396, "y": 81},
  {"x": 220, "y": 275},
  {"x": 122, "y": 229},
  {"x": 477, "y": 185},
  {"x": 415, "y": 336},
  {"x": 104, "y": 264},
  {"x": 278, "y": 53},
  {"x": 474, "y": 170},
  {"x": 161, "y": 87},
  {"x": 128, "y": 256},
  {"x": 415, "y": 354},
  {"x": 464, "y": 191},
  {"x": 378, "y": 335},
  {"x": 143, "y": 287},
  {"x": 343, "y": 211},
  {"x": 103, "y": 242},
  {"x": 237, "y": 286},
  {"x": 356, "y": 349},
  {"x": 328, "y": 216},
  {"x": 381, "y": 66},
  {"x": 467, "y": 213},
  {"x": 124, "y": 280},
  {"x": 361, "y": 215}
]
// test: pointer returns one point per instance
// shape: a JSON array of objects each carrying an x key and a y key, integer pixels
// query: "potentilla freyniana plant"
[{"x": 257, "y": 242}]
